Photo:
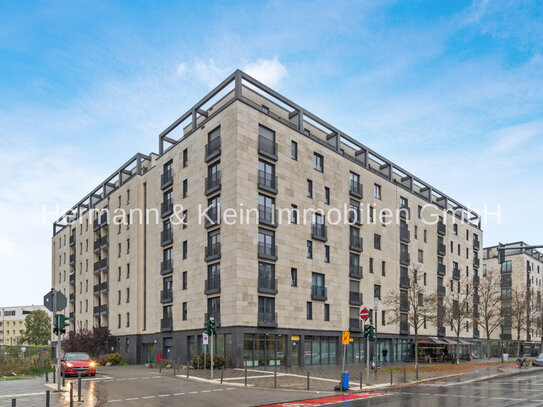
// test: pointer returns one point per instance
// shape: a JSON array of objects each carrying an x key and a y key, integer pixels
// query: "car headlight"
[
  {"x": 92, "y": 364},
  {"x": 69, "y": 364}
]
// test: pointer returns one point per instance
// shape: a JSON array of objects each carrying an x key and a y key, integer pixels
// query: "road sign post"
[
  {"x": 345, "y": 341},
  {"x": 55, "y": 301},
  {"x": 364, "y": 315}
]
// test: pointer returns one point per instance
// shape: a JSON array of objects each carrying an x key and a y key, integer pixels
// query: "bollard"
[
  {"x": 13, "y": 402},
  {"x": 275, "y": 378},
  {"x": 198, "y": 363},
  {"x": 48, "y": 398},
  {"x": 245, "y": 375},
  {"x": 405, "y": 375},
  {"x": 54, "y": 375},
  {"x": 64, "y": 379},
  {"x": 417, "y": 372},
  {"x": 307, "y": 380},
  {"x": 78, "y": 386},
  {"x": 360, "y": 380},
  {"x": 188, "y": 371},
  {"x": 71, "y": 395},
  {"x": 160, "y": 367},
  {"x": 222, "y": 373},
  {"x": 46, "y": 373},
  {"x": 391, "y": 376}
]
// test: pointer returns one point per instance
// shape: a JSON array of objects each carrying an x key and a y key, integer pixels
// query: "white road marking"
[
  {"x": 205, "y": 391},
  {"x": 193, "y": 392},
  {"x": 148, "y": 397},
  {"x": 164, "y": 395},
  {"x": 132, "y": 399},
  {"x": 114, "y": 401},
  {"x": 178, "y": 394},
  {"x": 218, "y": 390}
]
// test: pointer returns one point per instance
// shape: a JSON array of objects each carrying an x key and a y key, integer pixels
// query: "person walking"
[{"x": 384, "y": 352}]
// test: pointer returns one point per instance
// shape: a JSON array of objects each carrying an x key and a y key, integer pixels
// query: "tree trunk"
[
  {"x": 488, "y": 348},
  {"x": 518, "y": 343},
  {"x": 416, "y": 348},
  {"x": 458, "y": 347}
]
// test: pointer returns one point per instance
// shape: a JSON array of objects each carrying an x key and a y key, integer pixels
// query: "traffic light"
[
  {"x": 369, "y": 332},
  {"x": 60, "y": 323},
  {"x": 501, "y": 254},
  {"x": 212, "y": 326},
  {"x": 207, "y": 327}
]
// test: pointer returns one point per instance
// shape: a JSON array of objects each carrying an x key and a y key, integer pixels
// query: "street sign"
[
  {"x": 345, "y": 338},
  {"x": 61, "y": 301},
  {"x": 205, "y": 339},
  {"x": 364, "y": 314}
]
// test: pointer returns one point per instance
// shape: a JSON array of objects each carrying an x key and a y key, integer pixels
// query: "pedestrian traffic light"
[
  {"x": 212, "y": 326},
  {"x": 501, "y": 254}
]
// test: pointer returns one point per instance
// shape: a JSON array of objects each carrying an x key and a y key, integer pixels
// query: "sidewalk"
[
  {"x": 29, "y": 392},
  {"x": 324, "y": 378}
]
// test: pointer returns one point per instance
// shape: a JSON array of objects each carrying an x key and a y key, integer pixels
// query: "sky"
[{"x": 451, "y": 91}]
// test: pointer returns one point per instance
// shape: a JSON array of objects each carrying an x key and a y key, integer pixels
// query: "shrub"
[
  {"x": 198, "y": 361},
  {"x": 113, "y": 358}
]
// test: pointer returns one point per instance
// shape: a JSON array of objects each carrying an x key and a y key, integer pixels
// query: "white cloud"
[
  {"x": 268, "y": 71},
  {"x": 514, "y": 137},
  {"x": 209, "y": 73}
]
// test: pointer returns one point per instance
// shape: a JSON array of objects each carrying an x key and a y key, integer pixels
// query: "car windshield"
[{"x": 77, "y": 356}]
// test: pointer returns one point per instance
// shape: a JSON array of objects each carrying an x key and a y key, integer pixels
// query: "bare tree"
[
  {"x": 520, "y": 311},
  {"x": 414, "y": 306},
  {"x": 457, "y": 309},
  {"x": 490, "y": 316}
]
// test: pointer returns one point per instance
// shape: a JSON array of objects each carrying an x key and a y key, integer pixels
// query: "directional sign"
[
  {"x": 345, "y": 338},
  {"x": 205, "y": 339},
  {"x": 61, "y": 301},
  {"x": 364, "y": 314}
]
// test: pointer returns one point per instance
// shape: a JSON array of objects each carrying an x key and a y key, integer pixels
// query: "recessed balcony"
[
  {"x": 355, "y": 298},
  {"x": 355, "y": 243},
  {"x": 267, "y": 251},
  {"x": 213, "y": 149},
  {"x": 166, "y": 179},
  {"x": 212, "y": 286},
  {"x": 212, "y": 251},
  {"x": 355, "y": 189},
  {"x": 318, "y": 292},
  {"x": 267, "y": 181},
  {"x": 318, "y": 231},
  {"x": 213, "y": 183},
  {"x": 166, "y": 296},
  {"x": 267, "y": 319},
  {"x": 267, "y": 148}
]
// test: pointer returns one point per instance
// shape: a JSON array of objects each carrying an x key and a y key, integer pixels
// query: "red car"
[{"x": 74, "y": 363}]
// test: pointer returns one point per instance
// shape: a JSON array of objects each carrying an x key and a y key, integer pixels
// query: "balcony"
[
  {"x": 166, "y": 237},
  {"x": 404, "y": 281},
  {"x": 72, "y": 240},
  {"x": 213, "y": 217},
  {"x": 404, "y": 328},
  {"x": 355, "y": 243},
  {"x": 166, "y": 179},
  {"x": 267, "y": 319},
  {"x": 441, "y": 331},
  {"x": 72, "y": 316},
  {"x": 318, "y": 231},
  {"x": 441, "y": 269},
  {"x": 72, "y": 297},
  {"x": 476, "y": 244},
  {"x": 267, "y": 285},
  {"x": 318, "y": 292},
  {"x": 166, "y": 295},
  {"x": 355, "y": 298},
  {"x": 476, "y": 298},
  {"x": 101, "y": 243},
  {"x": 354, "y": 216},
  {"x": 441, "y": 249},
  {"x": 355, "y": 189},
  {"x": 267, "y": 251},
  {"x": 405, "y": 258},
  {"x": 72, "y": 259},
  {"x": 355, "y": 271},
  {"x": 441, "y": 229},
  {"x": 476, "y": 334},
  {"x": 405, "y": 235},
  {"x": 355, "y": 325},
  {"x": 267, "y": 215},
  {"x": 212, "y": 251},
  {"x": 475, "y": 313},
  {"x": 213, "y": 149},
  {"x": 100, "y": 309},
  {"x": 212, "y": 285},
  {"x": 101, "y": 287},
  {"x": 476, "y": 280},
  {"x": 456, "y": 274},
  {"x": 98, "y": 223},
  {"x": 166, "y": 324},
  {"x": 405, "y": 213},
  {"x": 506, "y": 280},
  {"x": 404, "y": 305},
  {"x": 476, "y": 262},
  {"x": 213, "y": 183},
  {"x": 72, "y": 278},
  {"x": 166, "y": 208},
  {"x": 166, "y": 267},
  {"x": 267, "y": 181},
  {"x": 267, "y": 147},
  {"x": 100, "y": 265},
  {"x": 441, "y": 291},
  {"x": 216, "y": 316}
]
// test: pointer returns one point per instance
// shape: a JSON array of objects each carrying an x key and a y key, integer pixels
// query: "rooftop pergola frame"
[
  {"x": 137, "y": 165},
  {"x": 513, "y": 248}
]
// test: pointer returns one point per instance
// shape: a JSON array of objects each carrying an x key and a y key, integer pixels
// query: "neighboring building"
[
  {"x": 12, "y": 323},
  {"x": 280, "y": 293},
  {"x": 522, "y": 270}
]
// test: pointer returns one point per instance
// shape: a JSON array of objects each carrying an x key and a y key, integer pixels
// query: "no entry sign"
[{"x": 364, "y": 314}]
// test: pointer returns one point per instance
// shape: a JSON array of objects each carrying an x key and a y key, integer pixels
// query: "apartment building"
[
  {"x": 522, "y": 271},
  {"x": 12, "y": 323},
  {"x": 270, "y": 263}
]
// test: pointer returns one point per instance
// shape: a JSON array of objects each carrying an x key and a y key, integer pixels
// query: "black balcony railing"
[
  {"x": 72, "y": 259},
  {"x": 212, "y": 285},
  {"x": 441, "y": 331},
  {"x": 166, "y": 208},
  {"x": 405, "y": 258},
  {"x": 267, "y": 147},
  {"x": 267, "y": 285},
  {"x": 100, "y": 309},
  {"x": 213, "y": 148},
  {"x": 476, "y": 298},
  {"x": 405, "y": 212},
  {"x": 267, "y": 251},
  {"x": 267, "y": 319},
  {"x": 213, "y": 251},
  {"x": 355, "y": 298},
  {"x": 166, "y": 266},
  {"x": 441, "y": 290},
  {"x": 476, "y": 244},
  {"x": 213, "y": 217},
  {"x": 355, "y": 271},
  {"x": 355, "y": 243},
  {"x": 166, "y": 324},
  {"x": 318, "y": 231},
  {"x": 506, "y": 280},
  {"x": 456, "y": 274},
  {"x": 72, "y": 277},
  {"x": 354, "y": 216},
  {"x": 267, "y": 215},
  {"x": 166, "y": 179},
  {"x": 355, "y": 325},
  {"x": 267, "y": 181},
  {"x": 101, "y": 243},
  {"x": 476, "y": 280},
  {"x": 355, "y": 189},
  {"x": 100, "y": 265},
  {"x": 72, "y": 240},
  {"x": 166, "y": 237},
  {"x": 441, "y": 249},
  {"x": 101, "y": 287},
  {"x": 318, "y": 292},
  {"x": 215, "y": 315},
  {"x": 405, "y": 235},
  {"x": 404, "y": 305},
  {"x": 441, "y": 269},
  {"x": 404, "y": 328},
  {"x": 404, "y": 281},
  {"x": 213, "y": 183},
  {"x": 441, "y": 228},
  {"x": 476, "y": 334},
  {"x": 72, "y": 297},
  {"x": 166, "y": 295},
  {"x": 476, "y": 262}
]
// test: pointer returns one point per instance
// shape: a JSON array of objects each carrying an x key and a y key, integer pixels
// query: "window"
[
  {"x": 266, "y": 243},
  {"x": 119, "y": 321},
  {"x": 185, "y": 188},
  {"x": 119, "y": 297},
  {"x": 309, "y": 188},
  {"x": 214, "y": 307},
  {"x": 327, "y": 312},
  {"x": 119, "y": 278},
  {"x": 184, "y": 280},
  {"x": 293, "y": 277},
  {"x": 416, "y": 232},
  {"x": 377, "y": 191},
  {"x": 309, "y": 249},
  {"x": 383, "y": 268},
  {"x": 424, "y": 235},
  {"x": 383, "y": 318},
  {"x": 266, "y": 175},
  {"x": 327, "y": 195},
  {"x": 266, "y": 307},
  {"x": 467, "y": 253},
  {"x": 128, "y": 319},
  {"x": 371, "y": 265},
  {"x": 424, "y": 278},
  {"x": 127, "y": 196},
  {"x": 455, "y": 228},
  {"x": 127, "y": 345},
  {"x": 326, "y": 254},
  {"x": 184, "y": 311},
  {"x": 377, "y": 241},
  {"x": 377, "y": 291},
  {"x": 293, "y": 214},
  {"x": 128, "y": 270},
  {"x": 266, "y": 213},
  {"x": 371, "y": 210},
  {"x": 421, "y": 258},
  {"x": 467, "y": 235},
  {"x": 293, "y": 150},
  {"x": 419, "y": 212},
  {"x": 318, "y": 162},
  {"x": 309, "y": 310},
  {"x": 127, "y": 294},
  {"x": 184, "y": 219},
  {"x": 484, "y": 270},
  {"x": 185, "y": 249},
  {"x": 127, "y": 246},
  {"x": 185, "y": 157},
  {"x": 119, "y": 250}
]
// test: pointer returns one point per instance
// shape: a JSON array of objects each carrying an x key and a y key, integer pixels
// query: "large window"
[{"x": 318, "y": 162}]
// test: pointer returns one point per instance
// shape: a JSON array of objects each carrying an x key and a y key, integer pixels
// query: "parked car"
[
  {"x": 77, "y": 362},
  {"x": 538, "y": 361}
]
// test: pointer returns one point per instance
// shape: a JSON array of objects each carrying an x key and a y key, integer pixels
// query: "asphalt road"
[{"x": 517, "y": 391}]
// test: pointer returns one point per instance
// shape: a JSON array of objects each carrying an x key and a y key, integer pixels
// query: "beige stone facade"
[
  {"x": 299, "y": 299},
  {"x": 12, "y": 323}
]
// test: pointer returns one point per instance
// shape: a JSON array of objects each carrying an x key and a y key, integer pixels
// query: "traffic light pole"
[
  {"x": 58, "y": 338},
  {"x": 211, "y": 338},
  {"x": 367, "y": 356}
]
